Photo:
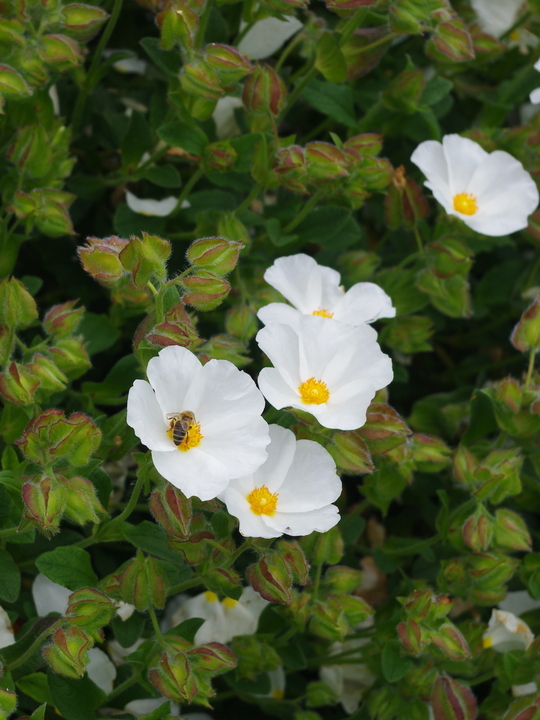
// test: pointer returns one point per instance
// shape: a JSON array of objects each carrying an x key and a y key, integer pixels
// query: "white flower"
[
  {"x": 132, "y": 64},
  {"x": 507, "y": 632},
  {"x": 314, "y": 289},
  {"x": 518, "y": 602},
  {"x": 124, "y": 610},
  {"x": 145, "y": 706},
  {"x": 266, "y": 36},
  {"x": 159, "y": 208},
  {"x": 278, "y": 680},
  {"x": 535, "y": 95},
  {"x": 496, "y": 16},
  {"x": 118, "y": 653},
  {"x": 6, "y": 631},
  {"x": 224, "y": 619},
  {"x": 49, "y": 596},
  {"x": 290, "y": 493},
  {"x": 223, "y": 116},
  {"x": 328, "y": 369},
  {"x": 525, "y": 689},
  {"x": 101, "y": 670},
  {"x": 491, "y": 192},
  {"x": 227, "y": 436},
  {"x": 53, "y": 94}
]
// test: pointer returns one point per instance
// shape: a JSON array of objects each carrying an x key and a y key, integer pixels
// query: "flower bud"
[
  {"x": 172, "y": 510},
  {"x": 478, "y": 530},
  {"x": 224, "y": 347},
  {"x": 70, "y": 356},
  {"x": 90, "y": 609},
  {"x": 526, "y": 708},
  {"x": 44, "y": 500},
  {"x": 342, "y": 579},
  {"x": 173, "y": 677},
  {"x": 215, "y": 254},
  {"x": 359, "y": 56},
  {"x": 405, "y": 204},
  {"x": 82, "y": 503},
  {"x": 229, "y": 226},
  {"x": 51, "y": 436},
  {"x": 325, "y": 161},
  {"x": 412, "y": 636},
  {"x": 292, "y": 555},
  {"x": 526, "y": 334},
  {"x": 402, "y": 21},
  {"x": 355, "y": 609},
  {"x": 229, "y": 64},
  {"x": 177, "y": 25},
  {"x": 403, "y": 93},
  {"x": 146, "y": 257},
  {"x": 67, "y": 655},
  {"x": 328, "y": 621},
  {"x": 205, "y": 290},
  {"x": 351, "y": 453},
  {"x": 60, "y": 51},
  {"x": 510, "y": 532},
  {"x": 219, "y": 156},
  {"x": 12, "y": 82},
  {"x": 346, "y": 8},
  {"x": 8, "y": 698},
  {"x": 101, "y": 259},
  {"x": 62, "y": 320},
  {"x": 83, "y": 21},
  {"x": 271, "y": 578},
  {"x": 51, "y": 378},
  {"x": 323, "y": 548},
  {"x": 241, "y": 322},
  {"x": 452, "y": 701},
  {"x": 491, "y": 568},
  {"x": 17, "y": 307},
  {"x": 18, "y": 385},
  {"x": 264, "y": 92},
  {"x": 464, "y": 466},
  {"x": 418, "y": 604},
  {"x": 143, "y": 582},
  {"x": 291, "y": 168},
  {"x": 384, "y": 429},
  {"x": 200, "y": 79},
  {"x": 213, "y": 657},
  {"x": 452, "y": 643},
  {"x": 450, "y": 42}
]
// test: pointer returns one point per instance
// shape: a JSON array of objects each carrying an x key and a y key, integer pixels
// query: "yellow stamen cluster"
[
  {"x": 210, "y": 596},
  {"x": 323, "y": 313},
  {"x": 229, "y": 603},
  {"x": 487, "y": 642},
  {"x": 314, "y": 392},
  {"x": 465, "y": 203},
  {"x": 262, "y": 501},
  {"x": 192, "y": 439}
]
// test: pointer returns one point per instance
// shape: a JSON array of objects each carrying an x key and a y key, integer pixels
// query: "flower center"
[
  {"x": 314, "y": 392},
  {"x": 229, "y": 602},
  {"x": 262, "y": 501},
  {"x": 487, "y": 642},
  {"x": 323, "y": 313},
  {"x": 191, "y": 439},
  {"x": 210, "y": 596},
  {"x": 465, "y": 203}
]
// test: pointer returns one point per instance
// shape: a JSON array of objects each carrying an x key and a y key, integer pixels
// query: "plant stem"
[
  {"x": 123, "y": 686},
  {"x": 530, "y": 369},
  {"x": 412, "y": 549},
  {"x": 8, "y": 532},
  {"x": 287, "y": 51},
  {"x": 418, "y": 238},
  {"x": 313, "y": 200},
  {"x": 193, "y": 180},
  {"x": 132, "y": 502},
  {"x": 352, "y": 24},
  {"x": 186, "y": 585},
  {"x": 255, "y": 190},
  {"x": 34, "y": 646},
  {"x": 155, "y": 622}
]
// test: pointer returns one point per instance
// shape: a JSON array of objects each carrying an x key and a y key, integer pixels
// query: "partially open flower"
[
  {"x": 292, "y": 492},
  {"x": 328, "y": 369},
  {"x": 314, "y": 289},
  {"x": 507, "y": 632},
  {"x": 202, "y": 423},
  {"x": 491, "y": 192},
  {"x": 266, "y": 36},
  {"x": 224, "y": 619}
]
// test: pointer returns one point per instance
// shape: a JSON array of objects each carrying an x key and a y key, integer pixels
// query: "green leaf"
[
  {"x": 10, "y": 578},
  {"x": 394, "y": 665},
  {"x": 187, "y": 629},
  {"x": 68, "y": 566},
  {"x": 36, "y": 686},
  {"x": 188, "y": 137},
  {"x": 160, "y": 712},
  {"x": 99, "y": 332},
  {"x": 273, "y": 228},
  {"x": 166, "y": 176},
  {"x": 75, "y": 699},
  {"x": 127, "y": 632},
  {"x": 151, "y": 538},
  {"x": 329, "y": 58},
  {"x": 166, "y": 60},
  {"x": 435, "y": 90},
  {"x": 127, "y": 223},
  {"x": 322, "y": 224},
  {"x": 137, "y": 140},
  {"x": 333, "y": 100}
]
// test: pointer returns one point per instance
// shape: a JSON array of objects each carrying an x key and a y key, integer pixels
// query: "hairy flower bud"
[
  {"x": 174, "y": 678},
  {"x": 52, "y": 379},
  {"x": 18, "y": 385},
  {"x": 215, "y": 254},
  {"x": 452, "y": 701},
  {"x": 90, "y": 609},
  {"x": 82, "y": 503},
  {"x": 17, "y": 307},
  {"x": 143, "y": 582},
  {"x": 205, "y": 290},
  {"x": 271, "y": 578},
  {"x": 229, "y": 64},
  {"x": 83, "y": 21},
  {"x": 291, "y": 166},
  {"x": 67, "y": 654},
  {"x": 264, "y": 92},
  {"x": 62, "y": 320},
  {"x": 172, "y": 510},
  {"x": 101, "y": 258},
  {"x": 44, "y": 500}
]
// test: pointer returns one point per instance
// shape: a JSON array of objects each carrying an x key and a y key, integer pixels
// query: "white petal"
[
  {"x": 267, "y": 36},
  {"x": 463, "y": 157},
  {"x": 279, "y": 313},
  {"x": 430, "y": 158},
  {"x": 193, "y": 472},
  {"x": 280, "y": 344},
  {"x": 132, "y": 65},
  {"x": 170, "y": 374},
  {"x": 124, "y": 610},
  {"x": 241, "y": 450},
  {"x": 518, "y": 602},
  {"x": 311, "y": 482},
  {"x": 147, "y": 206},
  {"x": 496, "y": 17},
  {"x": 276, "y": 390},
  {"x": 6, "y": 631},
  {"x": 304, "y": 523},
  {"x": 281, "y": 454},
  {"x": 145, "y": 706},
  {"x": 250, "y": 525},
  {"x": 507, "y": 632},
  {"x": 53, "y": 94},
  {"x": 363, "y": 303},
  {"x": 101, "y": 670},
  {"x": 223, "y": 115},
  {"x": 49, "y": 596},
  {"x": 146, "y": 418},
  {"x": 535, "y": 96}
]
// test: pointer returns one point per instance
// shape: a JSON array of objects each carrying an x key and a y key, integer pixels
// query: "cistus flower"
[
  {"x": 266, "y": 36},
  {"x": 314, "y": 289},
  {"x": 328, "y": 369},
  {"x": 507, "y": 632},
  {"x": 157, "y": 208},
  {"x": 491, "y": 192},
  {"x": 535, "y": 95},
  {"x": 225, "y": 435},
  {"x": 349, "y": 682},
  {"x": 224, "y": 619},
  {"x": 292, "y": 492},
  {"x": 6, "y": 631},
  {"x": 223, "y": 117},
  {"x": 496, "y": 17}
]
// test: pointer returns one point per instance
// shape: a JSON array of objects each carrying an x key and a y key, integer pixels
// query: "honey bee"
[{"x": 180, "y": 424}]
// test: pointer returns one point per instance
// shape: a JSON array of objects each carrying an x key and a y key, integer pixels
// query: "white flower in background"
[
  {"x": 292, "y": 492},
  {"x": 223, "y": 116},
  {"x": 507, "y": 632},
  {"x": 118, "y": 653},
  {"x": 266, "y": 36},
  {"x": 525, "y": 689},
  {"x": 278, "y": 680},
  {"x": 535, "y": 95},
  {"x": 145, "y": 706},
  {"x": 49, "y": 596},
  {"x": 224, "y": 619},
  {"x": 159, "y": 208},
  {"x": 6, "y": 631},
  {"x": 491, "y": 192},
  {"x": 518, "y": 602},
  {"x": 101, "y": 670},
  {"x": 314, "y": 289},
  {"x": 225, "y": 435},
  {"x": 53, "y": 94},
  {"x": 496, "y": 16},
  {"x": 132, "y": 65},
  {"x": 328, "y": 369}
]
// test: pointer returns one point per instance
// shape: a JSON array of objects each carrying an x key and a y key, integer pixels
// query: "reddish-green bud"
[
  {"x": 62, "y": 320},
  {"x": 499, "y": 475},
  {"x": 328, "y": 620},
  {"x": 451, "y": 42},
  {"x": 452, "y": 701},
  {"x": 464, "y": 466},
  {"x": 215, "y": 254},
  {"x": 174, "y": 678},
  {"x": 351, "y": 453},
  {"x": 412, "y": 636},
  {"x": 405, "y": 203},
  {"x": 12, "y": 82},
  {"x": 359, "y": 54},
  {"x": 60, "y": 51},
  {"x": 418, "y": 604},
  {"x": 526, "y": 708},
  {"x": 384, "y": 429},
  {"x": 431, "y": 454},
  {"x": 44, "y": 501},
  {"x": 403, "y": 93},
  {"x": 325, "y": 161},
  {"x": 355, "y": 609},
  {"x": 491, "y": 569},
  {"x": 200, "y": 79},
  {"x": 176, "y": 329},
  {"x": 342, "y": 579},
  {"x": 212, "y": 657},
  {"x": 402, "y": 21},
  {"x": 477, "y": 530},
  {"x": 291, "y": 168},
  {"x": 271, "y": 578},
  {"x": 70, "y": 356},
  {"x": 101, "y": 258},
  {"x": 67, "y": 655},
  {"x": 264, "y": 92},
  {"x": 18, "y": 385},
  {"x": 526, "y": 334},
  {"x": 82, "y": 503},
  {"x": 172, "y": 510},
  {"x": 229, "y": 226},
  {"x": 177, "y": 25},
  {"x": 8, "y": 698},
  {"x": 143, "y": 582},
  {"x": 90, "y": 609},
  {"x": 509, "y": 393},
  {"x": 205, "y": 290},
  {"x": 365, "y": 145},
  {"x": 229, "y": 64},
  {"x": 83, "y": 21},
  {"x": 323, "y": 548},
  {"x": 510, "y": 532},
  {"x": 452, "y": 643},
  {"x": 17, "y": 307},
  {"x": 219, "y": 156},
  {"x": 293, "y": 556},
  {"x": 146, "y": 257},
  {"x": 346, "y": 8},
  {"x": 51, "y": 436},
  {"x": 241, "y": 322},
  {"x": 51, "y": 378}
]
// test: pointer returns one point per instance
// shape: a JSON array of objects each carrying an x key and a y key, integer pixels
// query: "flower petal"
[
  {"x": 146, "y": 418},
  {"x": 147, "y": 206},
  {"x": 267, "y": 36},
  {"x": 224, "y": 119},
  {"x": 463, "y": 157},
  {"x": 281, "y": 453},
  {"x": 250, "y": 525},
  {"x": 101, "y": 670},
  {"x": 304, "y": 523},
  {"x": 276, "y": 390},
  {"x": 170, "y": 374},
  {"x": 430, "y": 158},
  {"x": 193, "y": 472},
  {"x": 280, "y": 344},
  {"x": 279, "y": 313},
  {"x": 364, "y": 303}
]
